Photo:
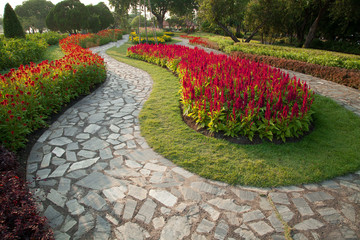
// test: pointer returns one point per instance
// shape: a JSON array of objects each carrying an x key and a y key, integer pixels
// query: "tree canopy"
[
  {"x": 32, "y": 14},
  {"x": 68, "y": 16},
  {"x": 100, "y": 17}
]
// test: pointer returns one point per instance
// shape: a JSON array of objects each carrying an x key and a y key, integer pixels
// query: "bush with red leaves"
[
  {"x": 19, "y": 218},
  {"x": 347, "y": 77}
]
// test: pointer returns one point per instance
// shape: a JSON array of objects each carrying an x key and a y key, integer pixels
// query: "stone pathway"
[{"x": 96, "y": 178}]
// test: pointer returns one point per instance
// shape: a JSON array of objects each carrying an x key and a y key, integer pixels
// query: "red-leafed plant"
[
  {"x": 19, "y": 218},
  {"x": 235, "y": 96}
]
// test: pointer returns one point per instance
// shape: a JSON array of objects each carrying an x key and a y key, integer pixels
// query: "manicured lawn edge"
[{"x": 327, "y": 152}]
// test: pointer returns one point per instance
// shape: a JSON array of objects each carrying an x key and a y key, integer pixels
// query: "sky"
[{"x": 14, "y": 3}]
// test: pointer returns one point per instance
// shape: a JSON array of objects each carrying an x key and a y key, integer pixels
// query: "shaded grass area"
[
  {"x": 330, "y": 150},
  {"x": 52, "y": 53}
]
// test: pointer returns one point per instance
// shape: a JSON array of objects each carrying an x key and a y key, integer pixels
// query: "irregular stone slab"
[
  {"x": 137, "y": 192},
  {"x": 275, "y": 222},
  {"x": 245, "y": 234},
  {"x": 330, "y": 215},
  {"x": 155, "y": 167},
  {"x": 106, "y": 153},
  {"x": 190, "y": 194},
  {"x": 61, "y": 141},
  {"x": 253, "y": 215},
  {"x": 129, "y": 209},
  {"x": 115, "y": 193},
  {"x": 94, "y": 200},
  {"x": 102, "y": 225},
  {"x": 290, "y": 189},
  {"x": 42, "y": 174},
  {"x": 158, "y": 222},
  {"x": 299, "y": 236},
  {"x": 318, "y": 196},
  {"x": 349, "y": 211},
  {"x": 205, "y": 226},
  {"x": 309, "y": 224},
  {"x": 182, "y": 172},
  {"x": 64, "y": 185},
  {"x": 112, "y": 219},
  {"x": 94, "y": 118},
  {"x": 56, "y": 198},
  {"x": 229, "y": 205},
  {"x": 86, "y": 154},
  {"x": 83, "y": 164},
  {"x": 99, "y": 181},
  {"x": 142, "y": 155},
  {"x": 132, "y": 164},
  {"x": 285, "y": 212},
  {"x": 211, "y": 211},
  {"x": 232, "y": 218},
  {"x": 131, "y": 231},
  {"x": 77, "y": 174},
  {"x": 61, "y": 236},
  {"x": 118, "y": 208},
  {"x": 68, "y": 224},
  {"x": 86, "y": 223},
  {"x": 146, "y": 211},
  {"x": 355, "y": 198},
  {"x": 55, "y": 218},
  {"x": 116, "y": 163},
  {"x": 92, "y": 128},
  {"x": 122, "y": 172},
  {"x": 302, "y": 206},
  {"x": 74, "y": 207},
  {"x": 279, "y": 198},
  {"x": 261, "y": 228},
  {"x": 58, "y": 151},
  {"x": 60, "y": 170},
  {"x": 208, "y": 188},
  {"x": 221, "y": 230},
  {"x": 46, "y": 161},
  {"x": 330, "y": 184},
  {"x": 71, "y": 156},
  {"x": 244, "y": 195},
  {"x": 164, "y": 197},
  {"x": 95, "y": 144},
  {"x": 264, "y": 204},
  {"x": 350, "y": 185},
  {"x": 176, "y": 228}
]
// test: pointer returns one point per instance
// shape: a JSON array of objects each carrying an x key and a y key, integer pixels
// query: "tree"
[
  {"x": 32, "y": 13},
  {"x": 68, "y": 16},
  {"x": 121, "y": 11},
  {"x": 12, "y": 26},
  {"x": 100, "y": 17},
  {"x": 222, "y": 12}
]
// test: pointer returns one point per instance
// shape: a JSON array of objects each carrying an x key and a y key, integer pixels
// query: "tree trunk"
[
  {"x": 314, "y": 26},
  {"x": 254, "y": 32},
  {"x": 233, "y": 37},
  {"x": 238, "y": 30}
]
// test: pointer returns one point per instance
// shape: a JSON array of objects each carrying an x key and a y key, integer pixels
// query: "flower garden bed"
[{"x": 234, "y": 96}]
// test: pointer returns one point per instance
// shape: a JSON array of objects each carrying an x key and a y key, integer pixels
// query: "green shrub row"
[
  {"x": 14, "y": 52},
  {"x": 320, "y": 57},
  {"x": 51, "y": 38}
]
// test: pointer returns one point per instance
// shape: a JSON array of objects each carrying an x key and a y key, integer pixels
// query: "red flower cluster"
[
  {"x": 233, "y": 95},
  {"x": 33, "y": 91}
]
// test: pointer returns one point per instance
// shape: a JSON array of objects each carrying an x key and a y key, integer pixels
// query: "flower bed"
[
  {"x": 31, "y": 93},
  {"x": 100, "y": 38},
  {"x": 232, "y": 95},
  {"x": 162, "y": 38},
  {"x": 201, "y": 41}
]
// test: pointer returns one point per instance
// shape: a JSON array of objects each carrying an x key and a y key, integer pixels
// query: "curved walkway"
[{"x": 96, "y": 178}]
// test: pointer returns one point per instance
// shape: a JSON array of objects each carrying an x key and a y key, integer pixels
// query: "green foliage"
[
  {"x": 51, "y": 38},
  {"x": 330, "y": 150},
  {"x": 134, "y": 38},
  {"x": 135, "y": 22},
  {"x": 100, "y": 17},
  {"x": 14, "y": 52},
  {"x": 320, "y": 57},
  {"x": 32, "y": 13},
  {"x": 68, "y": 16},
  {"x": 12, "y": 26}
]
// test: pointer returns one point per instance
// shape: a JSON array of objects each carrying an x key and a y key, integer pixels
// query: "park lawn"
[{"x": 330, "y": 150}]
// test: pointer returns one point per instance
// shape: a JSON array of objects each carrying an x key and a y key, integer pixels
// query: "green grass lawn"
[{"x": 330, "y": 150}]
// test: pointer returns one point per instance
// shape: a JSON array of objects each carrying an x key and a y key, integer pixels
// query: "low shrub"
[
  {"x": 171, "y": 34},
  {"x": 51, "y": 38},
  {"x": 134, "y": 38},
  {"x": 347, "y": 77},
  {"x": 101, "y": 38},
  {"x": 19, "y": 218},
  {"x": 14, "y": 52},
  {"x": 232, "y": 95},
  {"x": 32, "y": 92}
]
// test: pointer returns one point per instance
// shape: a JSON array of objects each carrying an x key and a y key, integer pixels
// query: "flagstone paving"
[{"x": 96, "y": 178}]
